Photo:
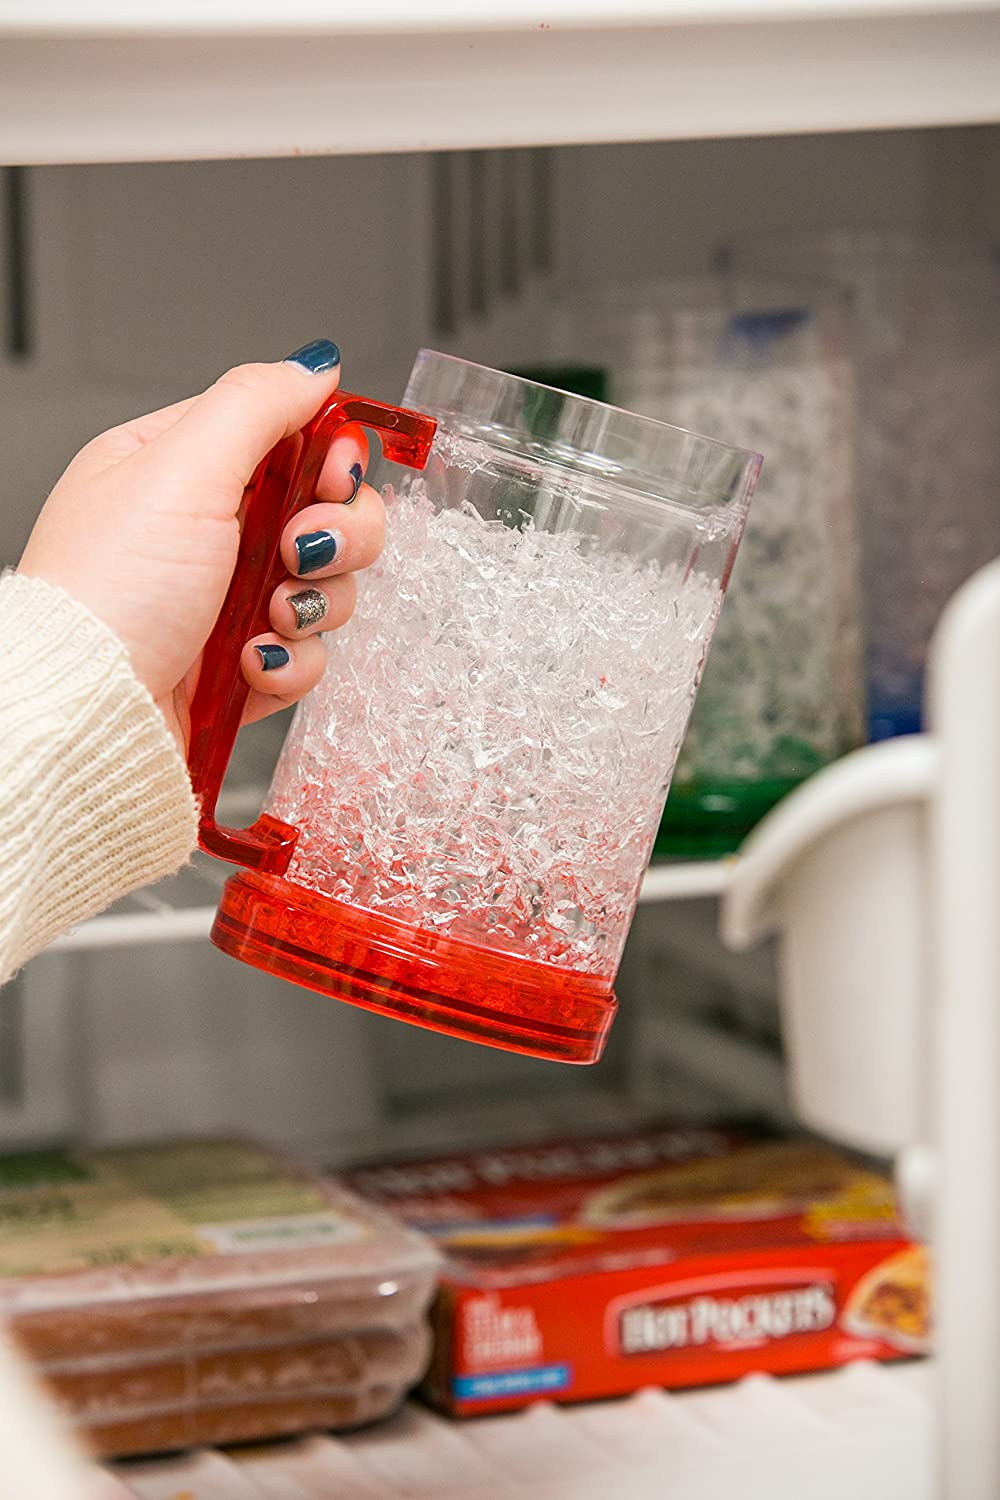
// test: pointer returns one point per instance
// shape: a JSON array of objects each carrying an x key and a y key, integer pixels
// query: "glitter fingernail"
[{"x": 309, "y": 607}]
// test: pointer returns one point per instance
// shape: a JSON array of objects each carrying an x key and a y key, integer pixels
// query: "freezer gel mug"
[
  {"x": 464, "y": 807},
  {"x": 926, "y": 316},
  {"x": 757, "y": 360}
]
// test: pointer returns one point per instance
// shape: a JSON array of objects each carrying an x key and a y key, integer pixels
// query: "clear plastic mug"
[
  {"x": 926, "y": 337},
  {"x": 464, "y": 807}
]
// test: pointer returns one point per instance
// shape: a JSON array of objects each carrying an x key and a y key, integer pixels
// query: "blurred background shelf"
[
  {"x": 865, "y": 1431},
  {"x": 182, "y": 909}
]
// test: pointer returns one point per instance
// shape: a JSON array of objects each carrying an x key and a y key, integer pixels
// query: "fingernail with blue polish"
[
  {"x": 316, "y": 357},
  {"x": 272, "y": 657},
  {"x": 357, "y": 473},
  {"x": 317, "y": 549}
]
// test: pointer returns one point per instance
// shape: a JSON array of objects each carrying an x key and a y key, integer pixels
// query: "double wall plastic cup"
[{"x": 464, "y": 808}]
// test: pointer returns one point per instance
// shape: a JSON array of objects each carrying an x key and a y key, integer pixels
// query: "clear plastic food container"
[
  {"x": 208, "y": 1292},
  {"x": 927, "y": 343},
  {"x": 763, "y": 363}
]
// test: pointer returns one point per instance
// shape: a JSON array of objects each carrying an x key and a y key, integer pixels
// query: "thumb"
[{"x": 229, "y": 429}]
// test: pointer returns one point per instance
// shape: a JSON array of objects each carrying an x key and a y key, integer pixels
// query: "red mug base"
[{"x": 387, "y": 966}]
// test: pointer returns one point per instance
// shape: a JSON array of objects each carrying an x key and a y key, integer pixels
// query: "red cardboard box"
[{"x": 676, "y": 1257}]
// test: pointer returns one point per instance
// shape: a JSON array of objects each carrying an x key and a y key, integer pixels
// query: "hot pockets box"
[{"x": 675, "y": 1257}]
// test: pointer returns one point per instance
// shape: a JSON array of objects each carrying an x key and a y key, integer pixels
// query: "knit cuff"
[{"x": 95, "y": 798}]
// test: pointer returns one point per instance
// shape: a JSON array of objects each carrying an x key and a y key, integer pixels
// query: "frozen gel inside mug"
[{"x": 485, "y": 754}]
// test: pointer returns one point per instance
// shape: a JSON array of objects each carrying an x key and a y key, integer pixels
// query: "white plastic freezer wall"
[
  {"x": 145, "y": 279},
  {"x": 882, "y": 878}
]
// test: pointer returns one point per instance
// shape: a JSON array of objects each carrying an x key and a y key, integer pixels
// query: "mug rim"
[{"x": 649, "y": 458}]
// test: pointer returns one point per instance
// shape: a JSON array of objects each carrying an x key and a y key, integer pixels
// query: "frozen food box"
[
  {"x": 208, "y": 1291},
  {"x": 674, "y": 1257}
]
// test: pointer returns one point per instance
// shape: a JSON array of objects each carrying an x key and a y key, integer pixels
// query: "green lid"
[{"x": 579, "y": 380}]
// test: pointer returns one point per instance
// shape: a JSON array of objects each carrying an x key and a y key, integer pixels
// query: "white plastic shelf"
[
  {"x": 865, "y": 1431},
  {"x": 312, "y": 17},
  {"x": 110, "y": 80},
  {"x": 182, "y": 910},
  {"x": 684, "y": 880}
]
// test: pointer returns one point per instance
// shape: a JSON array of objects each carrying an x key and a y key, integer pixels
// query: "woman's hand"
[{"x": 143, "y": 528}]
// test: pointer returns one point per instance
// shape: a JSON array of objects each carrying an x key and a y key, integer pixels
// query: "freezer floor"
[{"x": 865, "y": 1432}]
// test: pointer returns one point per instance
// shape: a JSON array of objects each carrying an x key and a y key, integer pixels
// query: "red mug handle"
[{"x": 283, "y": 483}]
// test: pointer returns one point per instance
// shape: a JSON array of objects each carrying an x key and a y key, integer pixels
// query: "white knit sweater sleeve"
[{"x": 95, "y": 798}]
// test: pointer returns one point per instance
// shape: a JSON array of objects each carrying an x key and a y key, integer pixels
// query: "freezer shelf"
[
  {"x": 182, "y": 909},
  {"x": 865, "y": 1431},
  {"x": 112, "y": 81}
]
